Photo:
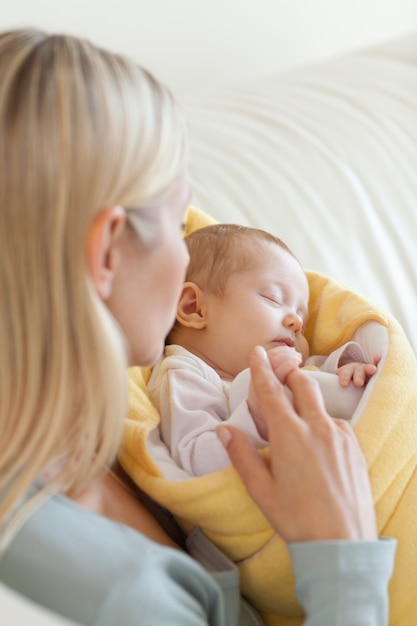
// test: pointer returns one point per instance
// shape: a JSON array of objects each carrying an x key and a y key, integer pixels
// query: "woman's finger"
[
  {"x": 271, "y": 398},
  {"x": 307, "y": 397},
  {"x": 248, "y": 463}
]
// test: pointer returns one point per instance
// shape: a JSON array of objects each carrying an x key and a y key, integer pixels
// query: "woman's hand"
[
  {"x": 317, "y": 485},
  {"x": 256, "y": 413}
]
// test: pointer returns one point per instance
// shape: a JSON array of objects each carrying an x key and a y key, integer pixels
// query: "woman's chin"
[{"x": 148, "y": 359}]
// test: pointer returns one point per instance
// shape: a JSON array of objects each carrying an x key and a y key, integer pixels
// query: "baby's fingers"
[
  {"x": 346, "y": 374},
  {"x": 358, "y": 373},
  {"x": 362, "y": 373}
]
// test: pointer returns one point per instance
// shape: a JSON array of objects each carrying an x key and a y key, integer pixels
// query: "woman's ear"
[
  {"x": 102, "y": 238},
  {"x": 190, "y": 310}
]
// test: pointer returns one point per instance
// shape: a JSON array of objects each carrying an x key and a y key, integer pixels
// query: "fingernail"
[
  {"x": 224, "y": 435},
  {"x": 261, "y": 352}
]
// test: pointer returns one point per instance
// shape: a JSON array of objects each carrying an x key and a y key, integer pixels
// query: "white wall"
[{"x": 193, "y": 44}]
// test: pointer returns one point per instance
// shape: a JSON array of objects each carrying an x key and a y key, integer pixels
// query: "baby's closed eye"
[{"x": 274, "y": 298}]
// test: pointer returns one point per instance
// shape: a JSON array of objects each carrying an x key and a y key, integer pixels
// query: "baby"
[{"x": 243, "y": 288}]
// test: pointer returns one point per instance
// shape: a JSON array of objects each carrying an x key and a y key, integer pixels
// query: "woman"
[{"x": 93, "y": 190}]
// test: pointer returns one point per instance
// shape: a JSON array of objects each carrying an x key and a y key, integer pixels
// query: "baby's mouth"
[{"x": 286, "y": 341}]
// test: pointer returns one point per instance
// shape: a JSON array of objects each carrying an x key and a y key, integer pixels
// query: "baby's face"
[{"x": 266, "y": 305}]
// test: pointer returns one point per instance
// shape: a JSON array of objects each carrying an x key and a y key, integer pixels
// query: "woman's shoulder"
[{"x": 94, "y": 570}]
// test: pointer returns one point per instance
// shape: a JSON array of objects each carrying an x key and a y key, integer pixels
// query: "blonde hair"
[
  {"x": 217, "y": 251},
  {"x": 80, "y": 129}
]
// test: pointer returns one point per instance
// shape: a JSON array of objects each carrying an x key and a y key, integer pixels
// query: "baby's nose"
[{"x": 294, "y": 321}]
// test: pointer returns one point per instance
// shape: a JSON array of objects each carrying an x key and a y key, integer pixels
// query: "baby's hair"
[{"x": 210, "y": 247}]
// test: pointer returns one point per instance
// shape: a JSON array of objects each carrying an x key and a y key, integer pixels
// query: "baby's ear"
[{"x": 190, "y": 311}]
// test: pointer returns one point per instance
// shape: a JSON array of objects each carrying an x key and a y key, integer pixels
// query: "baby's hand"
[
  {"x": 283, "y": 360},
  {"x": 358, "y": 373}
]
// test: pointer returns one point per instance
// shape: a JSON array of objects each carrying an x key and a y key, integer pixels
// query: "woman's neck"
[{"x": 112, "y": 495}]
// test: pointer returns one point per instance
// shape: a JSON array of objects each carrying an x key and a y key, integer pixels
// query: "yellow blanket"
[{"x": 387, "y": 432}]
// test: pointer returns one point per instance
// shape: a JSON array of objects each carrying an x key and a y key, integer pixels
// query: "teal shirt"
[{"x": 100, "y": 573}]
